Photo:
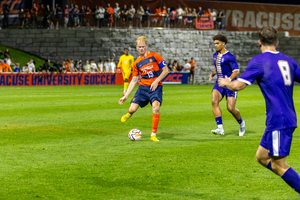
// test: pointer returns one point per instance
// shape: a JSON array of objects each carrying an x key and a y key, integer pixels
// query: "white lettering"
[
  {"x": 297, "y": 22},
  {"x": 259, "y": 22},
  {"x": 250, "y": 19},
  {"x": 227, "y": 14},
  {"x": 286, "y": 18},
  {"x": 277, "y": 20},
  {"x": 237, "y": 18}
]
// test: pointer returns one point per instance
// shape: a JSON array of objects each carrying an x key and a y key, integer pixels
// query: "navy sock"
[
  {"x": 219, "y": 120},
  {"x": 292, "y": 178},
  {"x": 269, "y": 166},
  {"x": 240, "y": 120}
]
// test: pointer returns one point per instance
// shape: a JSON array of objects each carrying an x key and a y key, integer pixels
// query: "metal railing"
[{"x": 93, "y": 20}]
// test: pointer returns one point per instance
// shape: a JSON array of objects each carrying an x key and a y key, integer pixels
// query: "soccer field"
[{"x": 69, "y": 143}]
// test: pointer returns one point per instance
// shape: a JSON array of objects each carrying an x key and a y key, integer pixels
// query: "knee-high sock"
[
  {"x": 155, "y": 121},
  {"x": 126, "y": 85},
  {"x": 292, "y": 178}
]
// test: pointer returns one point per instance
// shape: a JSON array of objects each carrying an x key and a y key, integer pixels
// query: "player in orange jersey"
[
  {"x": 152, "y": 69},
  {"x": 5, "y": 67},
  {"x": 192, "y": 70}
]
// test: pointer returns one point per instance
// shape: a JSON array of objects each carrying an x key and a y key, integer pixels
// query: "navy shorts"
[
  {"x": 144, "y": 95},
  {"x": 224, "y": 91},
  {"x": 278, "y": 143}
]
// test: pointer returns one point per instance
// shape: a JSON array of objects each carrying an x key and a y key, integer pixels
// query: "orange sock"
[{"x": 155, "y": 121}]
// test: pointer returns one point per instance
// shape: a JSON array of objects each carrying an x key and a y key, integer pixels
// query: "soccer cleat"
[
  {"x": 242, "y": 128},
  {"x": 123, "y": 93},
  {"x": 218, "y": 131},
  {"x": 125, "y": 117},
  {"x": 153, "y": 138}
]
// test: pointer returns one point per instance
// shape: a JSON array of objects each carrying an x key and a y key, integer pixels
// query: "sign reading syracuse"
[{"x": 56, "y": 79}]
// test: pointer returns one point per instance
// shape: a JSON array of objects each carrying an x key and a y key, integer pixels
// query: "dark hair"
[
  {"x": 221, "y": 38},
  {"x": 126, "y": 48},
  {"x": 268, "y": 36}
]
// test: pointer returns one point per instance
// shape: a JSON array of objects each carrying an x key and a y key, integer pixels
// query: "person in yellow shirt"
[{"x": 126, "y": 64}]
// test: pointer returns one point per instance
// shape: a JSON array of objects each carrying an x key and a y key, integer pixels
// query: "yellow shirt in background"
[{"x": 126, "y": 62}]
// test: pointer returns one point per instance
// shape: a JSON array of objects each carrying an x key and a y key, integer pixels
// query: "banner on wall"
[
  {"x": 204, "y": 23},
  {"x": 71, "y": 79}
]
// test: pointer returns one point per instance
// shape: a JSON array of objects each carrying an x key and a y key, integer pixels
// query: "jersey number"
[
  {"x": 285, "y": 71},
  {"x": 150, "y": 74}
]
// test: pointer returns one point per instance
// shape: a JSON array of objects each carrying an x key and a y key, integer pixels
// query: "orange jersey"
[
  {"x": 149, "y": 68},
  {"x": 5, "y": 67},
  {"x": 193, "y": 65}
]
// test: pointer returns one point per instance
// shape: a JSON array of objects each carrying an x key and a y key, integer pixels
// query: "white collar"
[{"x": 274, "y": 52}]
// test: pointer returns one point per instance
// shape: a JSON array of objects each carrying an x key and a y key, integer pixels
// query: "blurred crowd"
[{"x": 99, "y": 16}]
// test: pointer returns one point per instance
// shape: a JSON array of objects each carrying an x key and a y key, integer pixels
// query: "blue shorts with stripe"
[
  {"x": 144, "y": 95},
  {"x": 278, "y": 143},
  {"x": 224, "y": 91}
]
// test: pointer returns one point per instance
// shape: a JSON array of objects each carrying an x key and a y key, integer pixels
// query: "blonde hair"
[{"x": 142, "y": 39}]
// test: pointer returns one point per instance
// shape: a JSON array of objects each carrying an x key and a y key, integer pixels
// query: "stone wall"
[{"x": 83, "y": 44}]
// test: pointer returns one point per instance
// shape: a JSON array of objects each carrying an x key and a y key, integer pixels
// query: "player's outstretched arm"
[
  {"x": 130, "y": 88},
  {"x": 163, "y": 74},
  {"x": 231, "y": 85}
]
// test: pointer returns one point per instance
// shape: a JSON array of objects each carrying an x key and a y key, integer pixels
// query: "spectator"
[
  {"x": 124, "y": 14},
  {"x": 26, "y": 69},
  {"x": 111, "y": 12},
  {"x": 72, "y": 66},
  {"x": 190, "y": 18},
  {"x": 170, "y": 66},
  {"x": 185, "y": 17},
  {"x": 71, "y": 15},
  {"x": 17, "y": 68},
  {"x": 86, "y": 67},
  {"x": 107, "y": 66},
  {"x": 66, "y": 16},
  {"x": 88, "y": 16},
  {"x": 172, "y": 17},
  {"x": 56, "y": 67},
  {"x": 5, "y": 12},
  {"x": 22, "y": 16},
  {"x": 34, "y": 13},
  {"x": 220, "y": 18},
  {"x": 200, "y": 12},
  {"x": 31, "y": 65},
  {"x": 28, "y": 17},
  {"x": 76, "y": 16},
  {"x": 78, "y": 66},
  {"x": 155, "y": 18},
  {"x": 101, "y": 66},
  {"x": 174, "y": 66},
  {"x": 146, "y": 15},
  {"x": 117, "y": 13},
  {"x": 63, "y": 68},
  {"x": 214, "y": 17},
  {"x": 187, "y": 68},
  {"x": 4, "y": 66},
  {"x": 113, "y": 66},
  {"x": 40, "y": 15},
  {"x": 131, "y": 13},
  {"x": 93, "y": 68},
  {"x": 165, "y": 16},
  {"x": 1, "y": 53},
  {"x": 140, "y": 12},
  {"x": 45, "y": 67},
  {"x": 179, "y": 13},
  {"x": 192, "y": 70},
  {"x": 9, "y": 61},
  {"x": 6, "y": 53},
  {"x": 47, "y": 17},
  {"x": 82, "y": 15},
  {"x": 194, "y": 14},
  {"x": 58, "y": 16}
]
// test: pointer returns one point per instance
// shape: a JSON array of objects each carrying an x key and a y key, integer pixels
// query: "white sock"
[
  {"x": 124, "y": 90},
  {"x": 153, "y": 134},
  {"x": 220, "y": 126}
]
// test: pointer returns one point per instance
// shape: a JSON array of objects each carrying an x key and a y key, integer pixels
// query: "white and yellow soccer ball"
[{"x": 135, "y": 134}]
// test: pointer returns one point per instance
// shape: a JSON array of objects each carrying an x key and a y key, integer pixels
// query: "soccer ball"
[{"x": 135, "y": 135}]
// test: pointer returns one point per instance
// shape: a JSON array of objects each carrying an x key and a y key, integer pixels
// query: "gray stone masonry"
[{"x": 84, "y": 44}]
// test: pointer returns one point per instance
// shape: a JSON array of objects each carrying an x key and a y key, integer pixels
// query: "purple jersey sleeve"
[{"x": 254, "y": 71}]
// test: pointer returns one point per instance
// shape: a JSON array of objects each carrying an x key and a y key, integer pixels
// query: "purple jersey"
[
  {"x": 225, "y": 64},
  {"x": 275, "y": 74}
]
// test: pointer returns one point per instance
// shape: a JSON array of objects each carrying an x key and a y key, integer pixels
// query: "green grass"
[
  {"x": 69, "y": 143},
  {"x": 22, "y": 57}
]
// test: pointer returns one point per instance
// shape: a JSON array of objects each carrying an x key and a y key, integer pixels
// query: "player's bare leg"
[
  {"x": 216, "y": 98},
  {"x": 279, "y": 166},
  {"x": 231, "y": 101},
  {"x": 155, "y": 119},
  {"x": 132, "y": 109}
]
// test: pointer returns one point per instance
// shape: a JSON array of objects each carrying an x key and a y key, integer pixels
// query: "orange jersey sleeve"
[{"x": 193, "y": 65}]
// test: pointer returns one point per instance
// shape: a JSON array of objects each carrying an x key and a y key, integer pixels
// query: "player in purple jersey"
[
  {"x": 275, "y": 74},
  {"x": 225, "y": 65}
]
